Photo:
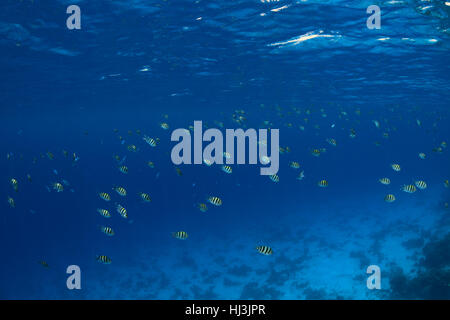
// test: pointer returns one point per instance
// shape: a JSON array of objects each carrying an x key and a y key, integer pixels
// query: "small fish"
[
  {"x": 376, "y": 123},
  {"x": 294, "y": 165},
  {"x": 323, "y": 183},
  {"x": 265, "y": 160},
  {"x": 301, "y": 176},
  {"x": 438, "y": 150},
  {"x": 421, "y": 184},
  {"x": 446, "y": 183},
  {"x": 332, "y": 142},
  {"x": 123, "y": 169},
  {"x": 44, "y": 264},
  {"x": 202, "y": 207},
  {"x": 422, "y": 155},
  {"x": 164, "y": 125},
  {"x": 178, "y": 171},
  {"x": 104, "y": 196},
  {"x": 151, "y": 164},
  {"x": 385, "y": 181},
  {"x": 29, "y": 178},
  {"x": 395, "y": 167},
  {"x": 15, "y": 184},
  {"x": 107, "y": 230},
  {"x": 105, "y": 213},
  {"x": 58, "y": 187},
  {"x": 216, "y": 201},
  {"x": 150, "y": 141},
  {"x": 207, "y": 162},
  {"x": 227, "y": 169},
  {"x": 408, "y": 188},
  {"x": 145, "y": 197},
  {"x": 265, "y": 250},
  {"x": 50, "y": 155},
  {"x": 11, "y": 202},
  {"x": 389, "y": 198},
  {"x": 275, "y": 178},
  {"x": 315, "y": 152},
  {"x": 122, "y": 211},
  {"x": 103, "y": 259},
  {"x": 120, "y": 191},
  {"x": 227, "y": 155},
  {"x": 181, "y": 235},
  {"x": 132, "y": 148}
]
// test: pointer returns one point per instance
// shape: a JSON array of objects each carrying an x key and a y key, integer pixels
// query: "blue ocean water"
[{"x": 312, "y": 69}]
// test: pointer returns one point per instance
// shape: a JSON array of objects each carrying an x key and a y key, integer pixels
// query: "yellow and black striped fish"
[
  {"x": 123, "y": 169},
  {"x": 121, "y": 191},
  {"x": 164, "y": 125},
  {"x": 151, "y": 164},
  {"x": 215, "y": 201},
  {"x": 107, "y": 230},
  {"x": 44, "y": 264},
  {"x": 182, "y": 235},
  {"x": 202, "y": 207},
  {"x": 275, "y": 178},
  {"x": 132, "y": 148},
  {"x": 409, "y": 188},
  {"x": 265, "y": 250},
  {"x": 315, "y": 152},
  {"x": 104, "y": 259},
  {"x": 395, "y": 167},
  {"x": 421, "y": 184},
  {"x": 294, "y": 165},
  {"x": 15, "y": 184},
  {"x": 207, "y": 162},
  {"x": 105, "y": 213},
  {"x": 385, "y": 181},
  {"x": 122, "y": 211},
  {"x": 145, "y": 197},
  {"x": 150, "y": 141},
  {"x": 332, "y": 142},
  {"x": 227, "y": 169},
  {"x": 323, "y": 183},
  {"x": 58, "y": 187},
  {"x": 389, "y": 198},
  {"x": 104, "y": 196}
]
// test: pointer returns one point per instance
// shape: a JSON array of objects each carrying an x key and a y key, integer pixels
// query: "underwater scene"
[{"x": 212, "y": 149}]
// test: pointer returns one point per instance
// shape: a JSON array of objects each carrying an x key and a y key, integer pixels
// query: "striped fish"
[
  {"x": 421, "y": 184},
  {"x": 104, "y": 259},
  {"x": 275, "y": 178},
  {"x": 265, "y": 250},
  {"x": 181, "y": 235},
  {"x": 216, "y": 201},
  {"x": 409, "y": 188},
  {"x": 122, "y": 211},
  {"x": 107, "y": 230},
  {"x": 389, "y": 198}
]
